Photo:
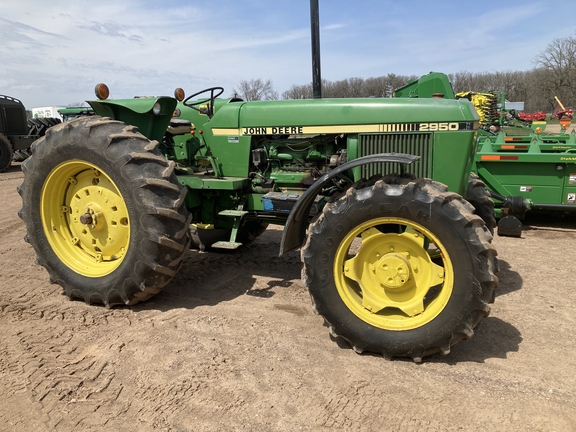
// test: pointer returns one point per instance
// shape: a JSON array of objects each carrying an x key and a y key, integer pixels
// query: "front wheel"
[
  {"x": 6, "y": 153},
  {"x": 104, "y": 211},
  {"x": 400, "y": 267},
  {"x": 479, "y": 197}
]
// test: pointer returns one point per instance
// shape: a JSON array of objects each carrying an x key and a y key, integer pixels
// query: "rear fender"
[{"x": 294, "y": 233}]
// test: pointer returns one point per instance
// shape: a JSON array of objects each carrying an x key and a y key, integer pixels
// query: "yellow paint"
[
  {"x": 85, "y": 218},
  {"x": 383, "y": 278}
]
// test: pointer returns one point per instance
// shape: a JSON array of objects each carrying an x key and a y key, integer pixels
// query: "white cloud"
[{"x": 53, "y": 53}]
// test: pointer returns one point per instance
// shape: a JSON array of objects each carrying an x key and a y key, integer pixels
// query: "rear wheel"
[
  {"x": 104, "y": 211},
  {"x": 21, "y": 155},
  {"x": 39, "y": 126},
  {"x": 36, "y": 126},
  {"x": 400, "y": 267},
  {"x": 6, "y": 153}
]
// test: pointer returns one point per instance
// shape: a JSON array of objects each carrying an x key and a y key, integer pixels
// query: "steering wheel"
[{"x": 214, "y": 93}]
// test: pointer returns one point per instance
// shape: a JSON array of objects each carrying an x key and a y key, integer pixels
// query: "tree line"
[{"x": 554, "y": 74}]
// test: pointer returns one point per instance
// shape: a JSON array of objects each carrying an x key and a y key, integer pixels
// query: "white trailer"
[{"x": 49, "y": 111}]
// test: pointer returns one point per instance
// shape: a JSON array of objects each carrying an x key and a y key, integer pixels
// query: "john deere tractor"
[{"x": 376, "y": 193}]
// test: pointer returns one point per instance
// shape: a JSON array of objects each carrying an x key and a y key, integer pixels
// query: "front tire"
[
  {"x": 479, "y": 197},
  {"x": 6, "y": 153},
  {"x": 104, "y": 211},
  {"x": 400, "y": 267}
]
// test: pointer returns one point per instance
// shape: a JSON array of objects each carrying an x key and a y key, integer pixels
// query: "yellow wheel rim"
[
  {"x": 85, "y": 218},
  {"x": 393, "y": 281}
]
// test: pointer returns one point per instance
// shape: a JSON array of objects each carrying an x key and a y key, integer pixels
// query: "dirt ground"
[{"x": 232, "y": 344}]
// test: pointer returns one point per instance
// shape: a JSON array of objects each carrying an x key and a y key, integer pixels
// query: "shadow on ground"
[
  {"x": 209, "y": 278},
  {"x": 509, "y": 280}
]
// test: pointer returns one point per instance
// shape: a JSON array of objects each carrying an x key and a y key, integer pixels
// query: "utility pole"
[{"x": 315, "y": 32}]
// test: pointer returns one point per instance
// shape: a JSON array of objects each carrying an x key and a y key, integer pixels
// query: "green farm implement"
[
  {"x": 377, "y": 193},
  {"x": 534, "y": 172},
  {"x": 522, "y": 172},
  {"x": 71, "y": 113}
]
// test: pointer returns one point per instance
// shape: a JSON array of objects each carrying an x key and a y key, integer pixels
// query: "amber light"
[
  {"x": 102, "y": 91},
  {"x": 538, "y": 130},
  {"x": 179, "y": 94}
]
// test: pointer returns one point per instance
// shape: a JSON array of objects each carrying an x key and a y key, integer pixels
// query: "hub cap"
[
  {"x": 395, "y": 281},
  {"x": 85, "y": 218}
]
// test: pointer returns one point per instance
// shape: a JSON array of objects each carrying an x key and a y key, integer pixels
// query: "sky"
[{"x": 53, "y": 53}]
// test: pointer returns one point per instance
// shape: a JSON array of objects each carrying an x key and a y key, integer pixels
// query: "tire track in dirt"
[
  {"x": 52, "y": 368},
  {"x": 232, "y": 344}
]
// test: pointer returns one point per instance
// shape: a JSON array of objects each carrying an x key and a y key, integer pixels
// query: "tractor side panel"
[{"x": 412, "y": 126}]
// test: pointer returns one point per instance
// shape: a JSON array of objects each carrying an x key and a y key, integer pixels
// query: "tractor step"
[
  {"x": 226, "y": 245},
  {"x": 232, "y": 213},
  {"x": 232, "y": 243}
]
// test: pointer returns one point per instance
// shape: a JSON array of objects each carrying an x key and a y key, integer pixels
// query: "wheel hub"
[
  {"x": 386, "y": 277},
  {"x": 393, "y": 271},
  {"x": 85, "y": 218},
  {"x": 91, "y": 217}
]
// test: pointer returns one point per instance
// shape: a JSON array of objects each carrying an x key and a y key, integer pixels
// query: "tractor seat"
[{"x": 179, "y": 127}]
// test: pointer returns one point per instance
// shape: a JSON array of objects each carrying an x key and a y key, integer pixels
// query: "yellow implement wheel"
[
  {"x": 400, "y": 267},
  {"x": 85, "y": 218},
  {"x": 387, "y": 279},
  {"x": 104, "y": 211}
]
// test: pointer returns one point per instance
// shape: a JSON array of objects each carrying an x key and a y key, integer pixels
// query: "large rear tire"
[
  {"x": 36, "y": 126},
  {"x": 39, "y": 126},
  {"x": 6, "y": 153},
  {"x": 400, "y": 267},
  {"x": 104, "y": 211}
]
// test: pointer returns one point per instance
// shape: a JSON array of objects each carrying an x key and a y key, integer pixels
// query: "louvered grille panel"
[
  {"x": 415, "y": 144},
  {"x": 15, "y": 121}
]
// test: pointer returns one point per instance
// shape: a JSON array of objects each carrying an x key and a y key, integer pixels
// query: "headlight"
[{"x": 157, "y": 108}]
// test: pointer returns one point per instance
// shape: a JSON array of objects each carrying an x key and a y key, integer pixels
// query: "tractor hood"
[{"x": 339, "y": 116}]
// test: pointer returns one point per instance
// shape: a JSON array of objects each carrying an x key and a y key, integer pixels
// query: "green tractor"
[
  {"x": 18, "y": 133},
  {"x": 377, "y": 194},
  {"x": 71, "y": 113}
]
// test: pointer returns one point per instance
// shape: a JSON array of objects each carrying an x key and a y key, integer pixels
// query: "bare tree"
[
  {"x": 382, "y": 86},
  {"x": 299, "y": 92},
  {"x": 256, "y": 89},
  {"x": 559, "y": 59}
]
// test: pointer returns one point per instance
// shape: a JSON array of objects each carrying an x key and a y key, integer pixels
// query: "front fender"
[
  {"x": 295, "y": 230},
  {"x": 138, "y": 112}
]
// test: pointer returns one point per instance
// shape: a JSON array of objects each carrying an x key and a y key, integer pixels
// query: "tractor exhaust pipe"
[{"x": 315, "y": 31}]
